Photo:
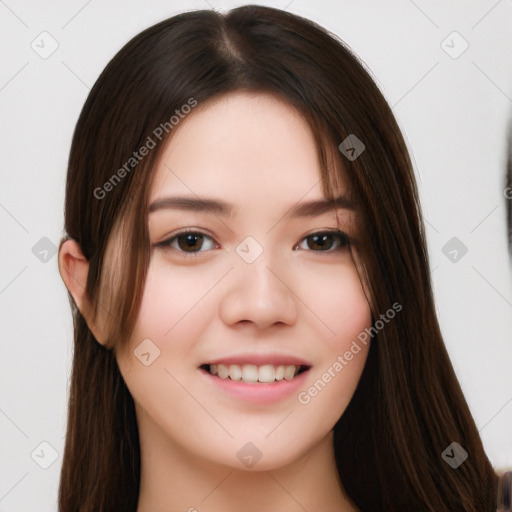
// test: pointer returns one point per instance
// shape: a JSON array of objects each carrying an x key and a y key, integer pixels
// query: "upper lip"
[{"x": 259, "y": 360}]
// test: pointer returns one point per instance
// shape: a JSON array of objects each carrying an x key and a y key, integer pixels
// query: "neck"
[{"x": 173, "y": 480}]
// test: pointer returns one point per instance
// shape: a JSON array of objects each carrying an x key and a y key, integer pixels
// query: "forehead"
[{"x": 244, "y": 147}]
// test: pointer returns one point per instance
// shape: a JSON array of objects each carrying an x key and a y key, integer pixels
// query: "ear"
[{"x": 74, "y": 268}]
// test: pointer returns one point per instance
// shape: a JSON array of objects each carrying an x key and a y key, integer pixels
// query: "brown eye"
[
  {"x": 189, "y": 242},
  {"x": 325, "y": 241}
]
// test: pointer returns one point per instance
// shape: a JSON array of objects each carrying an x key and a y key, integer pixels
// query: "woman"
[{"x": 254, "y": 320}]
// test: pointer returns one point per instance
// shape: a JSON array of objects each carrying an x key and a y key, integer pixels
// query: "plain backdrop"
[{"x": 452, "y": 103}]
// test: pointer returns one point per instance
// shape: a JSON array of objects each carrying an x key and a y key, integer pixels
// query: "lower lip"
[{"x": 259, "y": 393}]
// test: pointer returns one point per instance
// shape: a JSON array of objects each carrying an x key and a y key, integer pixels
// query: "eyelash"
[{"x": 343, "y": 242}]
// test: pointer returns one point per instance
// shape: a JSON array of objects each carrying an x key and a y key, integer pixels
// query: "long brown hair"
[{"x": 408, "y": 407}]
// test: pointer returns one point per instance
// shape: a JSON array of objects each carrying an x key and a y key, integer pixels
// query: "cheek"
[
  {"x": 173, "y": 314},
  {"x": 345, "y": 313},
  {"x": 337, "y": 303},
  {"x": 175, "y": 296}
]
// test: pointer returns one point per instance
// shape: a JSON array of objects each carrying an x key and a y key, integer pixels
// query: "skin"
[{"x": 255, "y": 152}]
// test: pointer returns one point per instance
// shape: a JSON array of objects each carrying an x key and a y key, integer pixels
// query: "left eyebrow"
[
  {"x": 224, "y": 209},
  {"x": 316, "y": 208}
]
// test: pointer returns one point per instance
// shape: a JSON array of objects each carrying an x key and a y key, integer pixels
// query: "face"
[{"x": 252, "y": 301}]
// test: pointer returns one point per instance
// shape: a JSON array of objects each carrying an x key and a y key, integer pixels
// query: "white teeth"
[
  {"x": 235, "y": 372},
  {"x": 253, "y": 373},
  {"x": 289, "y": 371},
  {"x": 223, "y": 371},
  {"x": 250, "y": 373},
  {"x": 267, "y": 373}
]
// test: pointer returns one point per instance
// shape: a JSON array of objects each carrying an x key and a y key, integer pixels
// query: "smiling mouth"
[{"x": 265, "y": 373}]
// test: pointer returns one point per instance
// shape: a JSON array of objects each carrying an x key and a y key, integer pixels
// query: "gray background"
[{"x": 453, "y": 109}]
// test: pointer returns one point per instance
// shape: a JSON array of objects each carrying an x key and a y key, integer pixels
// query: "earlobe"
[{"x": 73, "y": 269}]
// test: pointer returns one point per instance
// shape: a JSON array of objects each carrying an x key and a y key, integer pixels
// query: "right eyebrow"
[{"x": 215, "y": 206}]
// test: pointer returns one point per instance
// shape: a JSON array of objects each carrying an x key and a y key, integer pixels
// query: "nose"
[{"x": 259, "y": 294}]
